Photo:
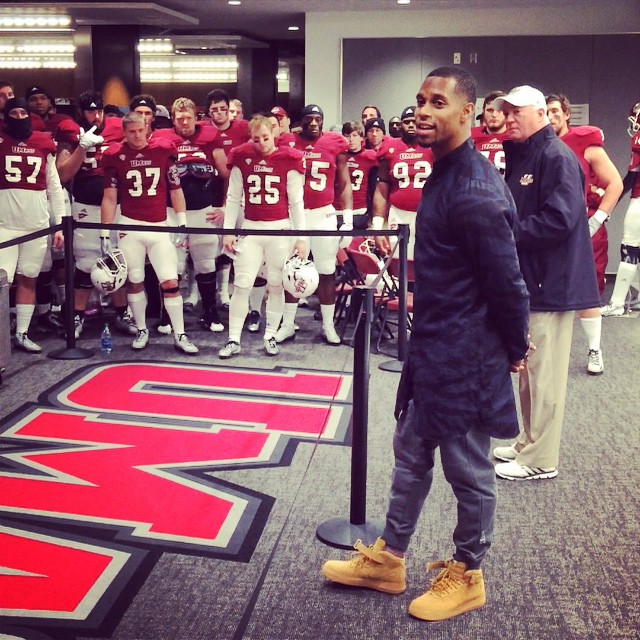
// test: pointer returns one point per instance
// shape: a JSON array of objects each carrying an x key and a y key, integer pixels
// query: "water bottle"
[{"x": 105, "y": 339}]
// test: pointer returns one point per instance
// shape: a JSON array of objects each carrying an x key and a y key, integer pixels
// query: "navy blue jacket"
[
  {"x": 470, "y": 303},
  {"x": 552, "y": 233}
]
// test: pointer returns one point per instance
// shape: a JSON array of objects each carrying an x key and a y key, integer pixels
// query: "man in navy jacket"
[{"x": 556, "y": 259}]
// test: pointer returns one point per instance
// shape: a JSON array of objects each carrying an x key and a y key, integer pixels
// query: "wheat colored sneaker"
[
  {"x": 371, "y": 567},
  {"x": 453, "y": 592}
]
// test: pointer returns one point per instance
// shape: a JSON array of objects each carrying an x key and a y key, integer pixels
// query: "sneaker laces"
[
  {"x": 446, "y": 581},
  {"x": 364, "y": 555}
]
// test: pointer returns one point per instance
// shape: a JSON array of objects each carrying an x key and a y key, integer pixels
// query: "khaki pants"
[{"x": 543, "y": 389}]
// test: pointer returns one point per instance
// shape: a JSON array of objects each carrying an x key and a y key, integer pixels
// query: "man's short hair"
[
  {"x": 5, "y": 83},
  {"x": 217, "y": 95},
  {"x": 562, "y": 99},
  {"x": 182, "y": 104},
  {"x": 351, "y": 126},
  {"x": 144, "y": 100},
  {"x": 465, "y": 82},
  {"x": 259, "y": 121},
  {"x": 133, "y": 117},
  {"x": 372, "y": 106},
  {"x": 491, "y": 96}
]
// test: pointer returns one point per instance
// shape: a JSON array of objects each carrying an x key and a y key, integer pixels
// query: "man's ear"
[{"x": 468, "y": 111}]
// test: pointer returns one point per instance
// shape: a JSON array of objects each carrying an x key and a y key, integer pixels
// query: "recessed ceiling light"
[
  {"x": 403, "y": 1},
  {"x": 294, "y": 28},
  {"x": 234, "y": 3}
]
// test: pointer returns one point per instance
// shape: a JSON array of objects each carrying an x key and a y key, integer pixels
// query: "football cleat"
[
  {"x": 330, "y": 335},
  {"x": 126, "y": 324},
  {"x": 612, "y": 310},
  {"x": 142, "y": 339},
  {"x": 182, "y": 343},
  {"x": 253, "y": 321},
  {"x": 271, "y": 347},
  {"x": 285, "y": 332},
  {"x": 23, "y": 342},
  {"x": 230, "y": 349}
]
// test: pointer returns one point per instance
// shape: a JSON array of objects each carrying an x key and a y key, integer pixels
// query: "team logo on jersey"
[
  {"x": 247, "y": 161},
  {"x": 526, "y": 179},
  {"x": 122, "y": 462},
  {"x": 122, "y": 157}
]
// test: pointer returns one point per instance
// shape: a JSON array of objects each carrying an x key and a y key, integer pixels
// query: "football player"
[
  {"x": 587, "y": 143},
  {"x": 362, "y": 165},
  {"x": 30, "y": 179},
  {"x": 200, "y": 155},
  {"x": 235, "y": 110},
  {"x": 628, "y": 268},
  {"x": 395, "y": 127},
  {"x": 369, "y": 111},
  {"x": 375, "y": 132},
  {"x": 232, "y": 133},
  {"x": 141, "y": 174},
  {"x": 270, "y": 178},
  {"x": 146, "y": 106},
  {"x": 403, "y": 167},
  {"x": 326, "y": 171},
  {"x": 6, "y": 93},
  {"x": 488, "y": 137},
  {"x": 79, "y": 163},
  {"x": 283, "y": 119}
]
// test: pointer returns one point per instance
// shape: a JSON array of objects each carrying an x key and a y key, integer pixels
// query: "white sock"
[
  {"x": 238, "y": 309},
  {"x": 592, "y": 328},
  {"x": 173, "y": 307},
  {"x": 24, "y": 313},
  {"x": 138, "y": 305},
  {"x": 222, "y": 279},
  {"x": 289, "y": 315},
  {"x": 327, "y": 310},
  {"x": 626, "y": 274},
  {"x": 274, "y": 311}
]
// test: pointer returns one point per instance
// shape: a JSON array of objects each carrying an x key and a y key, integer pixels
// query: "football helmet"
[
  {"x": 300, "y": 277},
  {"x": 634, "y": 120},
  {"x": 110, "y": 272}
]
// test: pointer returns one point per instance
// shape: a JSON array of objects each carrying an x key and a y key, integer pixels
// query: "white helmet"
[
  {"x": 110, "y": 272},
  {"x": 300, "y": 277}
]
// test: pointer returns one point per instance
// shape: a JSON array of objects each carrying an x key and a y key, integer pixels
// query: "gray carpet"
[{"x": 564, "y": 564}]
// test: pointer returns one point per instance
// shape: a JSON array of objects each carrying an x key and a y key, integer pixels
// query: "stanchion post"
[
  {"x": 395, "y": 366},
  {"x": 339, "y": 532},
  {"x": 70, "y": 352}
]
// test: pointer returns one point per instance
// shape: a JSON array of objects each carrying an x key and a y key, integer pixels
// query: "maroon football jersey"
[
  {"x": 578, "y": 139},
  {"x": 264, "y": 180},
  {"x": 490, "y": 146},
  {"x": 409, "y": 167},
  {"x": 321, "y": 157},
  {"x": 24, "y": 162},
  {"x": 143, "y": 177},
  {"x": 236, "y": 134},
  {"x": 359, "y": 165}
]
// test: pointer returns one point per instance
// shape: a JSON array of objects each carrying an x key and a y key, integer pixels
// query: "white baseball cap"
[{"x": 523, "y": 96}]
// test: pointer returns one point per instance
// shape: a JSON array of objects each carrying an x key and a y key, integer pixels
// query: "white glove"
[
  {"x": 88, "y": 139},
  {"x": 345, "y": 241},
  {"x": 596, "y": 221},
  {"x": 105, "y": 245},
  {"x": 180, "y": 239}
]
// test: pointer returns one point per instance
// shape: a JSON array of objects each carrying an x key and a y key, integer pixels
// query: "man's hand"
[
  {"x": 180, "y": 239},
  {"x": 596, "y": 221},
  {"x": 345, "y": 241},
  {"x": 105, "y": 245},
  {"x": 300, "y": 249},
  {"x": 215, "y": 217},
  {"x": 519, "y": 365},
  {"x": 88, "y": 139},
  {"x": 58, "y": 240}
]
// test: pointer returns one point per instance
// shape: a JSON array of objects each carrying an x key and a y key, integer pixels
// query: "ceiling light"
[
  {"x": 34, "y": 22},
  {"x": 403, "y": 1},
  {"x": 293, "y": 28},
  {"x": 234, "y": 3}
]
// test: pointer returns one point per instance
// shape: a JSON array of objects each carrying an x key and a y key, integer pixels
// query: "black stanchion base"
[
  {"x": 71, "y": 354},
  {"x": 395, "y": 366},
  {"x": 340, "y": 533}
]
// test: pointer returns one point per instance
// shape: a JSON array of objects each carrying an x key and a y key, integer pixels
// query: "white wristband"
[
  {"x": 182, "y": 218},
  {"x": 347, "y": 216},
  {"x": 377, "y": 222},
  {"x": 601, "y": 216}
]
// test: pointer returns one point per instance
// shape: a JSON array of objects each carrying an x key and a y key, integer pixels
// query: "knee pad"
[
  {"x": 223, "y": 260},
  {"x": 136, "y": 276},
  {"x": 206, "y": 278},
  {"x": 630, "y": 254},
  {"x": 170, "y": 290},
  {"x": 82, "y": 280},
  {"x": 259, "y": 282},
  {"x": 275, "y": 289},
  {"x": 43, "y": 285},
  {"x": 57, "y": 263}
]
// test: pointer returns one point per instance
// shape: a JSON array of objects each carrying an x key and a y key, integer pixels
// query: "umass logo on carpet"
[{"x": 117, "y": 465}]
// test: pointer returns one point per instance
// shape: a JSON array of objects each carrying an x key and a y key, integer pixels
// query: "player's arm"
[
  {"x": 380, "y": 209},
  {"x": 55, "y": 195},
  {"x": 179, "y": 205},
  {"x": 295, "y": 196},
  {"x": 108, "y": 207},
  {"x": 603, "y": 167},
  {"x": 219, "y": 159},
  {"x": 345, "y": 193},
  {"x": 69, "y": 161},
  {"x": 233, "y": 207}
]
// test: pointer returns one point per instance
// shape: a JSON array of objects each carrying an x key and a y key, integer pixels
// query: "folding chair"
[{"x": 393, "y": 304}]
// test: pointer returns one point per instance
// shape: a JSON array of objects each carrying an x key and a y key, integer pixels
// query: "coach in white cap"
[{"x": 556, "y": 260}]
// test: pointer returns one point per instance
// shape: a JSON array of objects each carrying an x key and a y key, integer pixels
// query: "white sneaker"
[
  {"x": 612, "y": 310},
  {"x": 142, "y": 339},
  {"x": 23, "y": 342},
  {"x": 285, "y": 332},
  {"x": 229, "y": 349},
  {"x": 164, "y": 329},
  {"x": 330, "y": 334},
  {"x": 78, "y": 325},
  {"x": 303, "y": 302},
  {"x": 271, "y": 347},
  {"x": 506, "y": 454},
  {"x": 595, "y": 366},
  {"x": 126, "y": 324},
  {"x": 182, "y": 343},
  {"x": 514, "y": 471},
  {"x": 634, "y": 305}
]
